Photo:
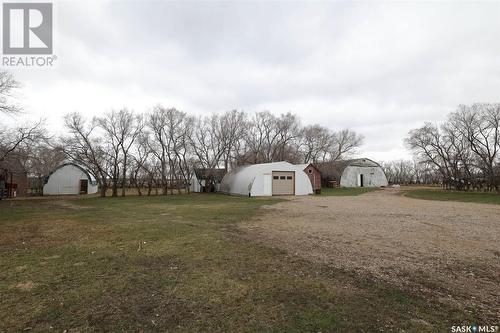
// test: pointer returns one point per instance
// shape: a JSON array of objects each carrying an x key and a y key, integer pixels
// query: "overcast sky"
[{"x": 377, "y": 68}]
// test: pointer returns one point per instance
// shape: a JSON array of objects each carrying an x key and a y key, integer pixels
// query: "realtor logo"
[{"x": 27, "y": 28}]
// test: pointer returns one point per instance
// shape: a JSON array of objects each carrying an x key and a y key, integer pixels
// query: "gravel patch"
[{"x": 445, "y": 251}]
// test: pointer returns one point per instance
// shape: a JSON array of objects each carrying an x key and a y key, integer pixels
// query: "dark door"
[
  {"x": 84, "y": 186},
  {"x": 361, "y": 180}
]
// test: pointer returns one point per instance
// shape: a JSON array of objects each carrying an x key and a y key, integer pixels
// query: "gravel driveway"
[{"x": 446, "y": 251}]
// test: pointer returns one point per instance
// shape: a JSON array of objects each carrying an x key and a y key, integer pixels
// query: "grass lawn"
[
  {"x": 445, "y": 195},
  {"x": 179, "y": 263},
  {"x": 345, "y": 191}
]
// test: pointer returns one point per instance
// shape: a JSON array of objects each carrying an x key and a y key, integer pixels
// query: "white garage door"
[{"x": 283, "y": 183}]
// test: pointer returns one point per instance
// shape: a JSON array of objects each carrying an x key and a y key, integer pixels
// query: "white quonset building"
[
  {"x": 70, "y": 178},
  {"x": 279, "y": 178},
  {"x": 361, "y": 172}
]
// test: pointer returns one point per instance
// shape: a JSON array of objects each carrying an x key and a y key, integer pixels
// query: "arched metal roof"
[
  {"x": 336, "y": 168},
  {"x": 92, "y": 179}
]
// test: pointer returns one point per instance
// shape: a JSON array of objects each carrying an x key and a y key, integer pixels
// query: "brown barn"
[
  {"x": 314, "y": 176},
  {"x": 13, "y": 179}
]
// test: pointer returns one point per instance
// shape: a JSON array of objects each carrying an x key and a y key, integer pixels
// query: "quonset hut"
[
  {"x": 267, "y": 179},
  {"x": 361, "y": 172},
  {"x": 70, "y": 178}
]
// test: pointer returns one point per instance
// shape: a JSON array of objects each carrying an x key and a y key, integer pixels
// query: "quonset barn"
[
  {"x": 70, "y": 178},
  {"x": 279, "y": 178},
  {"x": 361, "y": 172}
]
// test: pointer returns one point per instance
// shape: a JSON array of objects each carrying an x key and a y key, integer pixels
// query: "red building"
[
  {"x": 13, "y": 179},
  {"x": 314, "y": 176}
]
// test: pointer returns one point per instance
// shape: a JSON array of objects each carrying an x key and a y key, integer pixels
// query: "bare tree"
[
  {"x": 320, "y": 144},
  {"x": 159, "y": 144},
  {"x": 345, "y": 143},
  {"x": 177, "y": 130},
  {"x": 121, "y": 128},
  {"x": 206, "y": 141},
  {"x": 216, "y": 142},
  {"x": 20, "y": 137},
  {"x": 400, "y": 172},
  {"x": 269, "y": 138},
  {"x": 266, "y": 128},
  {"x": 232, "y": 133},
  {"x": 86, "y": 148},
  {"x": 407, "y": 172},
  {"x": 464, "y": 149},
  {"x": 141, "y": 170},
  {"x": 169, "y": 128},
  {"x": 315, "y": 144},
  {"x": 40, "y": 159},
  {"x": 479, "y": 124},
  {"x": 16, "y": 137},
  {"x": 112, "y": 143},
  {"x": 8, "y": 85},
  {"x": 182, "y": 148},
  {"x": 288, "y": 131},
  {"x": 430, "y": 146}
]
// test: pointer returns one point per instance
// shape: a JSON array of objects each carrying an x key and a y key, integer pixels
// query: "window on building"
[
  {"x": 288, "y": 177},
  {"x": 282, "y": 177},
  {"x": 276, "y": 177}
]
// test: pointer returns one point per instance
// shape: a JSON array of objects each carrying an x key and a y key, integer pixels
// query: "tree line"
[
  {"x": 410, "y": 172},
  {"x": 156, "y": 151},
  {"x": 159, "y": 150},
  {"x": 464, "y": 150}
]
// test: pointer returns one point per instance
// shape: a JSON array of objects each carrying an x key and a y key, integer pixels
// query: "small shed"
[
  {"x": 70, "y": 178},
  {"x": 206, "y": 180},
  {"x": 314, "y": 176},
  {"x": 361, "y": 172},
  {"x": 267, "y": 179},
  {"x": 13, "y": 178}
]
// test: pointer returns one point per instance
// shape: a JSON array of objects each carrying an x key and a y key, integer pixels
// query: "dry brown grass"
[{"x": 181, "y": 263}]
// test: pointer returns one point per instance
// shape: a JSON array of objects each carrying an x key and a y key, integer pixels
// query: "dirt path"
[{"x": 447, "y": 251}]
